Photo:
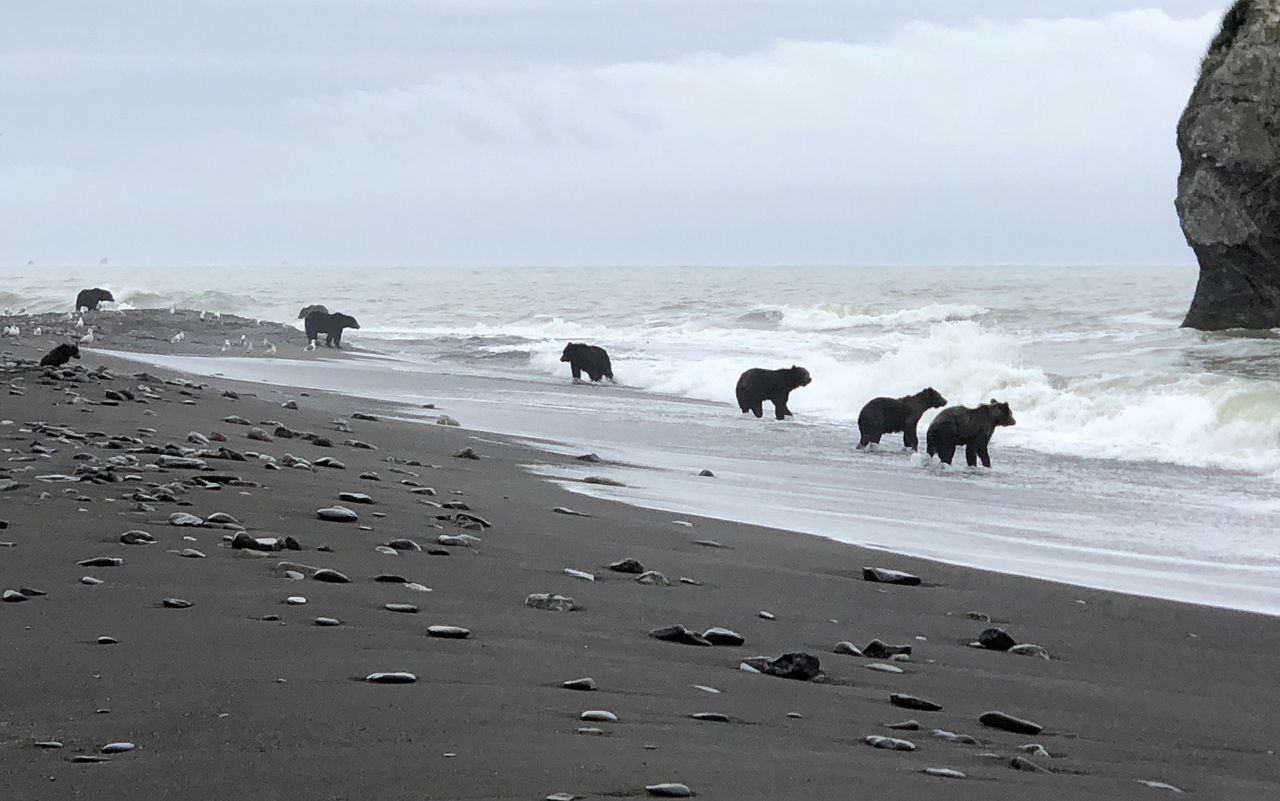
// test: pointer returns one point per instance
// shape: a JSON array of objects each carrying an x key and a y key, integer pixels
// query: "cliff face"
[{"x": 1229, "y": 189}]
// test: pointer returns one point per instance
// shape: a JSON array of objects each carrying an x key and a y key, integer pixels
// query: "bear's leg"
[
  {"x": 946, "y": 452},
  {"x": 971, "y": 454},
  {"x": 780, "y": 409},
  {"x": 757, "y": 408},
  {"x": 337, "y": 339},
  {"x": 577, "y": 372},
  {"x": 983, "y": 455},
  {"x": 596, "y": 376},
  {"x": 909, "y": 437},
  {"x": 864, "y": 440}
]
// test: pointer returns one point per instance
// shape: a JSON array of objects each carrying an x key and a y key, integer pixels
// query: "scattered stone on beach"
[
  {"x": 879, "y": 650},
  {"x": 446, "y": 420},
  {"x": 185, "y": 519},
  {"x": 904, "y": 725},
  {"x": 408, "y": 609},
  {"x": 89, "y": 758},
  {"x": 354, "y": 497},
  {"x": 176, "y": 603},
  {"x": 653, "y": 578},
  {"x": 328, "y": 622},
  {"x": 101, "y": 561},
  {"x": 448, "y": 632},
  {"x": 330, "y": 462},
  {"x": 722, "y": 636},
  {"x": 981, "y": 617},
  {"x": 456, "y": 540},
  {"x": 117, "y": 748},
  {"x": 404, "y": 545},
  {"x": 295, "y": 600},
  {"x": 603, "y": 481},
  {"x": 690, "y": 582},
  {"x": 108, "y": 640},
  {"x": 763, "y": 615},
  {"x": 881, "y": 667},
  {"x": 589, "y": 457},
  {"x": 564, "y": 510},
  {"x": 1024, "y": 764},
  {"x": 797, "y": 666},
  {"x": 191, "y": 553},
  {"x": 236, "y": 420},
  {"x": 90, "y": 580},
  {"x": 889, "y": 743},
  {"x": 707, "y": 544},
  {"x": 711, "y": 717},
  {"x": 550, "y": 602},
  {"x": 884, "y": 575},
  {"x": 330, "y": 576},
  {"x": 289, "y": 404},
  {"x": 337, "y": 514},
  {"x": 586, "y": 684},
  {"x": 390, "y": 578},
  {"x": 398, "y": 677},
  {"x": 359, "y": 444},
  {"x": 912, "y": 702},
  {"x": 1035, "y": 750},
  {"x": 678, "y": 634},
  {"x": 1006, "y": 722},
  {"x": 598, "y": 716},
  {"x": 669, "y": 790},
  {"x": 368, "y": 418},
  {"x": 591, "y": 731},
  {"x": 847, "y": 648},
  {"x": 13, "y": 597},
  {"x": 952, "y": 737},
  {"x": 996, "y": 639},
  {"x": 579, "y": 574},
  {"x": 627, "y": 565},
  {"x": 48, "y": 744},
  {"x": 944, "y": 773},
  {"x": 259, "y": 435},
  {"x": 706, "y": 474},
  {"x": 1030, "y": 649},
  {"x": 196, "y": 438},
  {"x": 1155, "y": 785},
  {"x": 466, "y": 453}
]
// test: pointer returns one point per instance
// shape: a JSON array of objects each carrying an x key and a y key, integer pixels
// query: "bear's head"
[
  {"x": 1000, "y": 413},
  {"x": 799, "y": 376},
  {"x": 931, "y": 398},
  {"x": 572, "y": 351},
  {"x": 344, "y": 321},
  {"x": 71, "y": 351}
]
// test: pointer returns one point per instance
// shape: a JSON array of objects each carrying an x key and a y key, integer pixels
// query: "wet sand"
[{"x": 222, "y": 703}]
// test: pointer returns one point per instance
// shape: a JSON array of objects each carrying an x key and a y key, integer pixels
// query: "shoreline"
[
  {"x": 980, "y": 545},
  {"x": 217, "y": 699}
]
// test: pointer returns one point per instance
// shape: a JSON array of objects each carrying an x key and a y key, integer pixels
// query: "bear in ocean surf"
[
  {"x": 60, "y": 355},
  {"x": 590, "y": 359},
  {"x": 889, "y": 415},
  {"x": 971, "y": 428},
  {"x": 331, "y": 325},
  {"x": 90, "y": 298},
  {"x": 758, "y": 385}
]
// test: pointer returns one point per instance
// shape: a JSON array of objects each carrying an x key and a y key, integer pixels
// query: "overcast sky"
[{"x": 594, "y": 131}]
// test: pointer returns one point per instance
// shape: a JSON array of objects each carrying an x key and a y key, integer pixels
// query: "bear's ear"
[{"x": 994, "y": 401}]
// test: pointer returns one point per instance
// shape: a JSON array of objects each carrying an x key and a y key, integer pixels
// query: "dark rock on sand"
[
  {"x": 912, "y": 702},
  {"x": 1228, "y": 197},
  {"x": 711, "y": 717},
  {"x": 327, "y": 622},
  {"x": 884, "y": 575},
  {"x": 996, "y": 639},
  {"x": 1024, "y": 764},
  {"x": 404, "y": 545},
  {"x": 117, "y": 748},
  {"x": 678, "y": 634},
  {"x": 879, "y": 650},
  {"x": 669, "y": 790},
  {"x": 391, "y": 678},
  {"x": 137, "y": 538},
  {"x": 13, "y": 597},
  {"x": 408, "y": 609},
  {"x": 389, "y": 578},
  {"x": 797, "y": 666},
  {"x": 627, "y": 566},
  {"x": 354, "y": 497},
  {"x": 847, "y": 648},
  {"x": 653, "y": 578},
  {"x": 904, "y": 725},
  {"x": 889, "y": 743},
  {"x": 330, "y": 576},
  {"x": 466, "y": 453},
  {"x": 723, "y": 636},
  {"x": 944, "y": 773},
  {"x": 584, "y": 684},
  {"x": 550, "y": 602},
  {"x": 1030, "y": 649},
  {"x": 448, "y": 632},
  {"x": 176, "y": 603},
  {"x": 184, "y": 519},
  {"x": 706, "y": 474},
  {"x": 101, "y": 561},
  {"x": 1006, "y": 722}
]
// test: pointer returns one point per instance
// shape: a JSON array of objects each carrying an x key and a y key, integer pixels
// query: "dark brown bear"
[
  {"x": 331, "y": 325},
  {"x": 757, "y": 385},
  {"x": 318, "y": 307},
  {"x": 889, "y": 415},
  {"x": 90, "y": 298},
  {"x": 589, "y": 359},
  {"x": 971, "y": 428},
  {"x": 60, "y": 355}
]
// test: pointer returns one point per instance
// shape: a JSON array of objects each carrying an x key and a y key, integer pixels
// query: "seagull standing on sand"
[
  {"x": 202, "y": 316},
  {"x": 87, "y": 339},
  {"x": 38, "y": 331},
  {"x": 248, "y": 347},
  {"x": 80, "y": 322},
  {"x": 270, "y": 346},
  {"x": 173, "y": 309},
  {"x": 226, "y": 345},
  {"x": 178, "y": 337}
]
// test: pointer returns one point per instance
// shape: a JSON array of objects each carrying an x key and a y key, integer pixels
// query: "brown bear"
[
  {"x": 758, "y": 385},
  {"x": 888, "y": 415},
  {"x": 61, "y": 355},
  {"x": 590, "y": 359},
  {"x": 331, "y": 325},
  {"x": 971, "y": 428},
  {"x": 90, "y": 298}
]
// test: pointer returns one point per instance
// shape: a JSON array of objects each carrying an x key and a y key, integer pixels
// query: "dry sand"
[{"x": 222, "y": 703}]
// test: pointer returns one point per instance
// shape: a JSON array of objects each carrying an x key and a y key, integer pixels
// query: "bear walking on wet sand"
[
  {"x": 889, "y": 415},
  {"x": 971, "y": 428},
  {"x": 331, "y": 325},
  {"x": 90, "y": 298},
  {"x": 60, "y": 355},
  {"x": 589, "y": 359},
  {"x": 758, "y": 385}
]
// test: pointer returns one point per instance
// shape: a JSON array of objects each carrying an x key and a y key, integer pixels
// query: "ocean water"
[{"x": 1146, "y": 457}]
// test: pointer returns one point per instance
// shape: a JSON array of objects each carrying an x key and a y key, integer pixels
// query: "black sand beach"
[{"x": 243, "y": 695}]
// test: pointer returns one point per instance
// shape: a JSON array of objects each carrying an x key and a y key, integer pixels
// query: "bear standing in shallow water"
[
  {"x": 888, "y": 415},
  {"x": 331, "y": 325},
  {"x": 757, "y": 385},
  {"x": 971, "y": 428},
  {"x": 90, "y": 298},
  {"x": 589, "y": 359}
]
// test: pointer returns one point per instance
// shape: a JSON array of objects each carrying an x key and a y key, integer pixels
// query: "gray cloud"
[{"x": 568, "y": 132}]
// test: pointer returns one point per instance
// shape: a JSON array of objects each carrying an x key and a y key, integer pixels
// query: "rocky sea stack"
[{"x": 1229, "y": 189}]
